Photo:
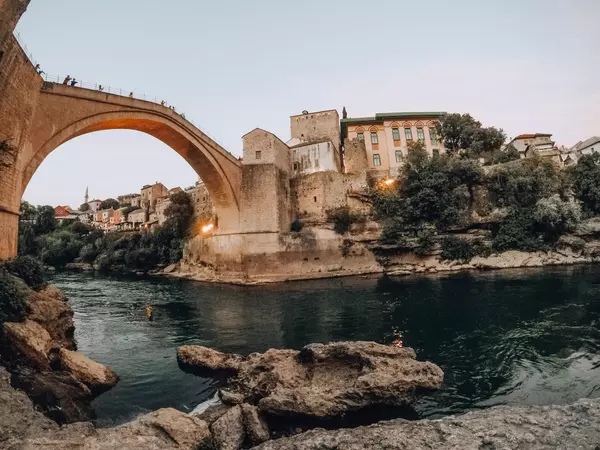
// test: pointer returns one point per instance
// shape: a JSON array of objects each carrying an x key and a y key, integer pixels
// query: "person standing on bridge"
[
  {"x": 100, "y": 87},
  {"x": 131, "y": 94},
  {"x": 74, "y": 82},
  {"x": 67, "y": 79}
]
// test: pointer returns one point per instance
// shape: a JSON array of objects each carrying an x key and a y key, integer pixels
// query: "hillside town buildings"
[{"x": 329, "y": 162}]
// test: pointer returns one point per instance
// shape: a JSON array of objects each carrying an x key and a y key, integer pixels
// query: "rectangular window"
[
  {"x": 396, "y": 134},
  {"x": 420, "y": 135},
  {"x": 361, "y": 137},
  {"x": 433, "y": 136},
  {"x": 374, "y": 138},
  {"x": 376, "y": 159},
  {"x": 408, "y": 134},
  {"x": 258, "y": 154},
  {"x": 399, "y": 156}
]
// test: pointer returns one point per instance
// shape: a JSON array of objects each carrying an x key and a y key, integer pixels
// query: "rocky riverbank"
[
  {"x": 39, "y": 353},
  {"x": 503, "y": 427},
  {"x": 283, "y": 392}
]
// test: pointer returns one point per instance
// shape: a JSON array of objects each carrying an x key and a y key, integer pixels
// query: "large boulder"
[
  {"x": 503, "y": 427},
  {"x": 328, "y": 381},
  {"x": 26, "y": 343},
  {"x": 186, "y": 430},
  {"x": 322, "y": 381},
  {"x": 97, "y": 377},
  {"x": 228, "y": 430},
  {"x": 50, "y": 309},
  {"x": 256, "y": 428},
  {"x": 58, "y": 394},
  {"x": 203, "y": 358}
]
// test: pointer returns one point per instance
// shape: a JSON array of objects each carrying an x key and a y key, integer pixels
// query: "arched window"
[
  {"x": 374, "y": 137},
  {"x": 360, "y": 134},
  {"x": 395, "y": 132}
]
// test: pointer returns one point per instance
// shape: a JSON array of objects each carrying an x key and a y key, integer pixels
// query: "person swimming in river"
[
  {"x": 149, "y": 313},
  {"x": 397, "y": 342}
]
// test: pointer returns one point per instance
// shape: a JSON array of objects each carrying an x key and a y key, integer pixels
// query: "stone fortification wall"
[
  {"x": 313, "y": 195},
  {"x": 355, "y": 156},
  {"x": 265, "y": 192},
  {"x": 19, "y": 90},
  {"x": 317, "y": 126}
]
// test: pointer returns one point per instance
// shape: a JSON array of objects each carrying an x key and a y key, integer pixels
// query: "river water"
[{"x": 509, "y": 337}]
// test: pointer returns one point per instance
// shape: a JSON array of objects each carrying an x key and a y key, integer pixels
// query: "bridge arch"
[{"x": 64, "y": 112}]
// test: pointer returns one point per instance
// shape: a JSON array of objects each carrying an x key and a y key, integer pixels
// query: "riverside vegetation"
[
  {"x": 57, "y": 245},
  {"x": 476, "y": 199}
]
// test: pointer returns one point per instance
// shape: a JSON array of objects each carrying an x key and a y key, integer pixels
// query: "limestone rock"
[
  {"x": 50, "y": 309},
  {"x": 97, "y": 377},
  {"x": 256, "y": 428},
  {"x": 186, "y": 430},
  {"x": 205, "y": 358},
  {"x": 231, "y": 398},
  {"x": 228, "y": 430},
  {"x": 502, "y": 427},
  {"x": 213, "y": 412},
  {"x": 62, "y": 397},
  {"x": 327, "y": 381},
  {"x": 18, "y": 418},
  {"x": 26, "y": 343}
]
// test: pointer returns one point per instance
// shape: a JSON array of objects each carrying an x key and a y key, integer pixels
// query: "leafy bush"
[
  {"x": 522, "y": 183},
  {"x": 455, "y": 248},
  {"x": 585, "y": 178},
  {"x": 425, "y": 242},
  {"x": 296, "y": 225},
  {"x": 88, "y": 253},
  {"x": 481, "y": 248},
  {"x": 13, "y": 306},
  {"x": 28, "y": 269},
  {"x": 342, "y": 219},
  {"x": 518, "y": 232},
  {"x": 555, "y": 217}
]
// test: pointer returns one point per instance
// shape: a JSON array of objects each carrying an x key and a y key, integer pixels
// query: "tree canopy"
[
  {"x": 84, "y": 207},
  {"x": 110, "y": 203},
  {"x": 462, "y": 132}
]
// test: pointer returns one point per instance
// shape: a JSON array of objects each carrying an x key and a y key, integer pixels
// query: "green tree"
[
  {"x": 585, "y": 179},
  {"x": 179, "y": 214},
  {"x": 45, "y": 220},
  {"x": 84, "y": 207},
  {"x": 462, "y": 132},
  {"x": 109, "y": 203},
  {"x": 28, "y": 212}
]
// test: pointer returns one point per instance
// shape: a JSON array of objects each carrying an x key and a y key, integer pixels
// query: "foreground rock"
[
  {"x": 323, "y": 381},
  {"x": 51, "y": 310},
  {"x": 530, "y": 427},
  {"x": 97, "y": 377},
  {"x": 26, "y": 343},
  {"x": 37, "y": 352},
  {"x": 204, "y": 358},
  {"x": 534, "y": 427}
]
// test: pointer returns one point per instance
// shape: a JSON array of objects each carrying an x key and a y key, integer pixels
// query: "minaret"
[{"x": 87, "y": 197}]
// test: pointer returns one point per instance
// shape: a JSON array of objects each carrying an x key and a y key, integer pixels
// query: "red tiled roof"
[{"x": 531, "y": 136}]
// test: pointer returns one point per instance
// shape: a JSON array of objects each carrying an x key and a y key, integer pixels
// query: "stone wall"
[
  {"x": 313, "y": 195},
  {"x": 265, "y": 192},
  {"x": 317, "y": 126},
  {"x": 19, "y": 90},
  {"x": 355, "y": 156}
]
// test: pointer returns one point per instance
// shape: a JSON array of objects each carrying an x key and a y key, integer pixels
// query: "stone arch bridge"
[{"x": 63, "y": 112}]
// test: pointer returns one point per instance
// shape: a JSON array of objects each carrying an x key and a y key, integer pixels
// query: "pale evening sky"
[{"x": 231, "y": 66}]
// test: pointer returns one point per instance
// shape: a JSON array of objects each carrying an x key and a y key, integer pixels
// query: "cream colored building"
[{"x": 386, "y": 137}]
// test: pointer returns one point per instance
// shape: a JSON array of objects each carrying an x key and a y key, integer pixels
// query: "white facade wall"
[{"x": 312, "y": 158}]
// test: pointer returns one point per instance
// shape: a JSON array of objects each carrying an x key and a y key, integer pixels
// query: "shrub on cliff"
[
  {"x": 455, "y": 248},
  {"x": 28, "y": 269},
  {"x": 425, "y": 242},
  {"x": 342, "y": 219},
  {"x": 296, "y": 225},
  {"x": 585, "y": 179},
  {"x": 555, "y": 217},
  {"x": 518, "y": 232},
  {"x": 13, "y": 307}
]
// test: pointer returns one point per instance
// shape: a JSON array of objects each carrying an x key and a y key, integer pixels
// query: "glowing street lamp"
[
  {"x": 389, "y": 181},
  {"x": 208, "y": 228}
]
